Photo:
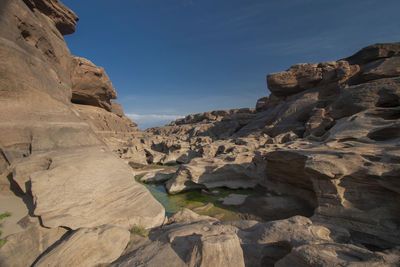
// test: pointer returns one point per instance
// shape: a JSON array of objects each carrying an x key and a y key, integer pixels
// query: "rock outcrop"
[
  {"x": 325, "y": 143},
  {"x": 106, "y": 244},
  {"x": 90, "y": 84},
  {"x": 49, "y": 156}
]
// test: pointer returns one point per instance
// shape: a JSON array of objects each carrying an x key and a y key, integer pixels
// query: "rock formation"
[
  {"x": 50, "y": 157},
  {"x": 325, "y": 144}
]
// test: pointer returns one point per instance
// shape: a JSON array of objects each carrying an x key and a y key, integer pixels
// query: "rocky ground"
[{"x": 324, "y": 147}]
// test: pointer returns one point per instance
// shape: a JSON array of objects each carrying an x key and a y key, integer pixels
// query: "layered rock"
[
  {"x": 57, "y": 160},
  {"x": 90, "y": 84},
  {"x": 325, "y": 143},
  {"x": 63, "y": 18},
  {"x": 293, "y": 242},
  {"x": 106, "y": 244}
]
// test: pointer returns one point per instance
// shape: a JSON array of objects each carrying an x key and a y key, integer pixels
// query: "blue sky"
[{"x": 170, "y": 58}]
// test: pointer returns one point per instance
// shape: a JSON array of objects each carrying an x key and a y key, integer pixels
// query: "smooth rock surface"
[
  {"x": 87, "y": 247},
  {"x": 90, "y": 84},
  {"x": 64, "y": 195}
]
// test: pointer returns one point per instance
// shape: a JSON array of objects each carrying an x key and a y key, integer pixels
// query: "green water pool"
[{"x": 195, "y": 198}]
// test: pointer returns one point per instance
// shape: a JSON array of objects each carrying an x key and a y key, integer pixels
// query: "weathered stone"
[
  {"x": 158, "y": 176},
  {"x": 186, "y": 215},
  {"x": 214, "y": 173},
  {"x": 187, "y": 244},
  {"x": 374, "y": 52},
  {"x": 90, "y": 84},
  {"x": 64, "y": 18},
  {"x": 262, "y": 104},
  {"x": 64, "y": 195},
  {"x": 54, "y": 156},
  {"x": 116, "y": 108},
  {"x": 383, "y": 68},
  {"x": 32, "y": 241},
  {"x": 87, "y": 247},
  {"x": 301, "y": 77},
  {"x": 336, "y": 255},
  {"x": 103, "y": 122}
]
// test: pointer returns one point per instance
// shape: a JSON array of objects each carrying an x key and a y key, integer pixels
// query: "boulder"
[
  {"x": 87, "y": 247},
  {"x": 116, "y": 108},
  {"x": 336, "y": 255},
  {"x": 187, "y": 216},
  {"x": 382, "y": 68},
  {"x": 33, "y": 240},
  {"x": 63, "y": 18},
  {"x": 301, "y": 77},
  {"x": 213, "y": 173},
  {"x": 76, "y": 191},
  {"x": 90, "y": 84},
  {"x": 103, "y": 122}
]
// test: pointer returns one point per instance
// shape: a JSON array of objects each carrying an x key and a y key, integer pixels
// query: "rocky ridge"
[{"x": 324, "y": 143}]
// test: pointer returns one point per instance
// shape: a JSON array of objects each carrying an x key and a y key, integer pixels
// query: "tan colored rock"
[
  {"x": 301, "y": 77},
  {"x": 383, "y": 68},
  {"x": 262, "y": 104},
  {"x": 32, "y": 241},
  {"x": 90, "y": 84},
  {"x": 103, "y": 122},
  {"x": 375, "y": 52},
  {"x": 87, "y": 247},
  {"x": 63, "y": 18},
  {"x": 239, "y": 243},
  {"x": 218, "y": 250},
  {"x": 212, "y": 173},
  {"x": 116, "y": 108},
  {"x": 158, "y": 176},
  {"x": 54, "y": 156},
  {"x": 187, "y": 244},
  {"x": 76, "y": 191},
  {"x": 186, "y": 215}
]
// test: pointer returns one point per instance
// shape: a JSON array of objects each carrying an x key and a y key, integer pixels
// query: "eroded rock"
[{"x": 87, "y": 247}]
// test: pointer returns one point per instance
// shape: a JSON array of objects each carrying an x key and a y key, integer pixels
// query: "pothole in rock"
[
  {"x": 203, "y": 202},
  {"x": 232, "y": 204}
]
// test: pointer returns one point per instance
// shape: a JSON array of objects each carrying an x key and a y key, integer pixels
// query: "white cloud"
[{"x": 152, "y": 120}]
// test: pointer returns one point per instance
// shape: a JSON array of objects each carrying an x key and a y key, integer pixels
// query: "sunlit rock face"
[{"x": 49, "y": 156}]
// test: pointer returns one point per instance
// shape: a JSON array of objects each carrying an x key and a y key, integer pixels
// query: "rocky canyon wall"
[{"x": 70, "y": 183}]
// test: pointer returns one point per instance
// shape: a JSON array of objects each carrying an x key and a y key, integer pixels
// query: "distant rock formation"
[{"x": 325, "y": 143}]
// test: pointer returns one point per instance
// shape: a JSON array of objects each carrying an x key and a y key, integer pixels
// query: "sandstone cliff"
[{"x": 70, "y": 186}]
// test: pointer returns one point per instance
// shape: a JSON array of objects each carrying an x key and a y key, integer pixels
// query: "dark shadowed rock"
[{"x": 375, "y": 52}]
